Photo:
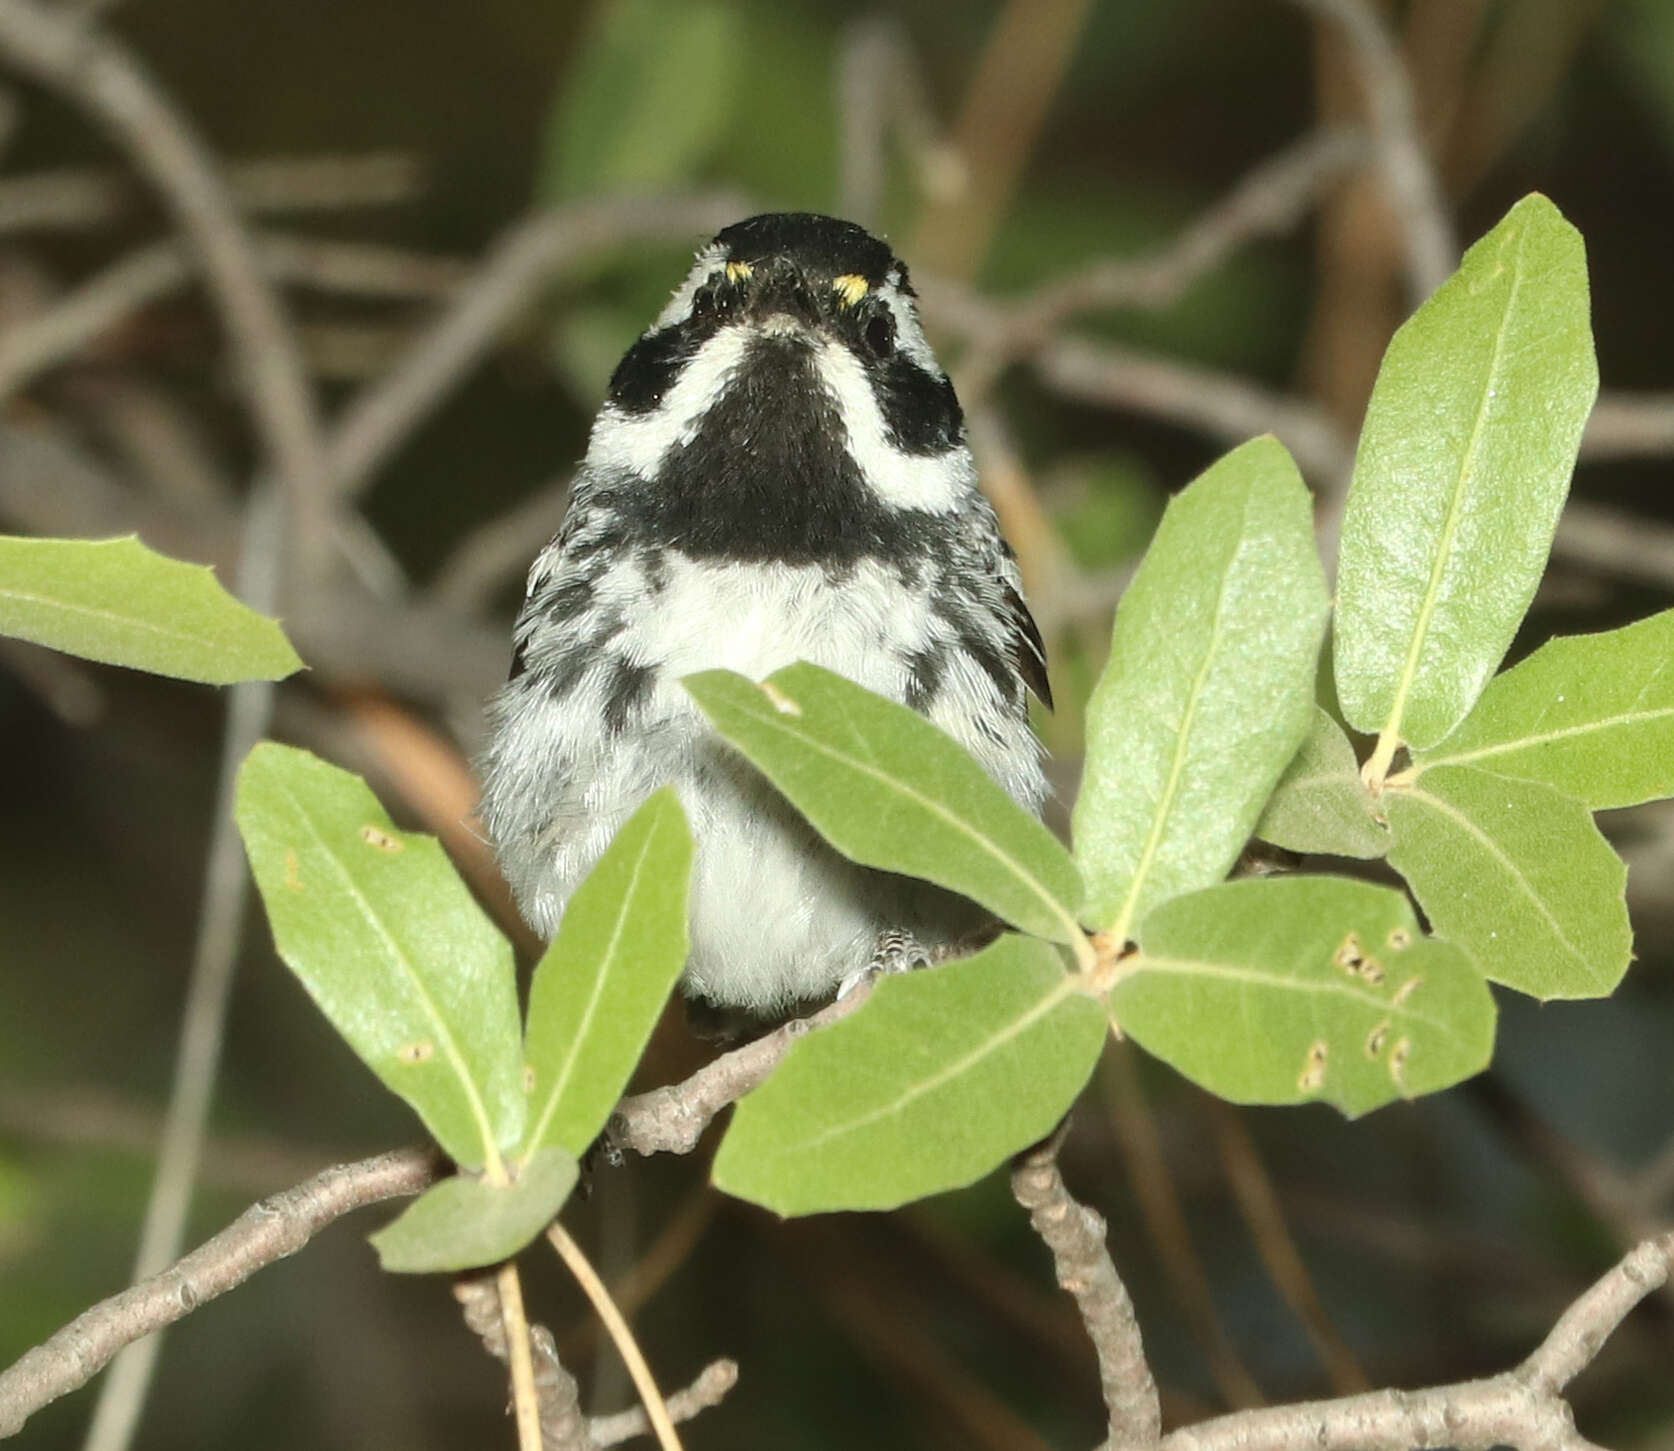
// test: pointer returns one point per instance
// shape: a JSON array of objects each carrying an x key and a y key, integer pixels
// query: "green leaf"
[
  {"x": 890, "y": 790},
  {"x": 600, "y": 987},
  {"x": 1591, "y": 715},
  {"x": 939, "y": 1078},
  {"x": 466, "y": 1222},
  {"x": 1320, "y": 803},
  {"x": 1519, "y": 876},
  {"x": 646, "y": 100},
  {"x": 115, "y": 600},
  {"x": 1286, "y": 989},
  {"x": 388, "y": 941},
  {"x": 1464, "y": 462},
  {"x": 1208, "y": 689}
]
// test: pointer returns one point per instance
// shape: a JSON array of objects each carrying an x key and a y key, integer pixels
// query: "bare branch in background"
[
  {"x": 89, "y": 197},
  {"x": 97, "y": 72},
  {"x": 499, "y": 549},
  {"x": 1075, "y": 1235},
  {"x": 1222, "y": 405},
  {"x": 880, "y": 89},
  {"x": 521, "y": 264},
  {"x": 1415, "y": 194},
  {"x": 1269, "y": 201},
  {"x": 225, "y": 895},
  {"x": 264, "y": 1233}
]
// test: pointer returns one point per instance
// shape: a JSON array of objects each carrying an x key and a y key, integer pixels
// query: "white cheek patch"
[
  {"x": 909, "y": 336},
  {"x": 638, "y": 441},
  {"x": 936, "y": 483}
]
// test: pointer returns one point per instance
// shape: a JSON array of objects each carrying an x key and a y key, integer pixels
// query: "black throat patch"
[{"x": 767, "y": 478}]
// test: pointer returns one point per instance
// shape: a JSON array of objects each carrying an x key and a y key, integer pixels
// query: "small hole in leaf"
[
  {"x": 1398, "y": 1056},
  {"x": 412, "y": 1053},
  {"x": 1348, "y": 956},
  {"x": 1399, "y": 939},
  {"x": 1313, "y": 1068},
  {"x": 1377, "y": 1038},
  {"x": 381, "y": 840}
]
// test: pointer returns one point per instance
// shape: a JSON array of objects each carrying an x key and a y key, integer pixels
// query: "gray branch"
[{"x": 1076, "y": 1237}]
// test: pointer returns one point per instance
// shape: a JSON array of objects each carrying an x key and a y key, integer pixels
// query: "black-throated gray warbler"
[{"x": 779, "y": 473}]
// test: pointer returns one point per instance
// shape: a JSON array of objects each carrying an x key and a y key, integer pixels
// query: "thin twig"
[
  {"x": 264, "y": 1233},
  {"x": 522, "y": 263},
  {"x": 525, "y": 1404},
  {"x": 1415, "y": 195},
  {"x": 707, "y": 1391},
  {"x": 626, "y": 1346},
  {"x": 1076, "y": 1237},
  {"x": 1136, "y": 1134},
  {"x": 562, "y": 1426},
  {"x": 96, "y": 71}
]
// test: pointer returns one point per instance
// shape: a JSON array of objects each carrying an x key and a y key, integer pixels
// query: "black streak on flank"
[{"x": 630, "y": 686}]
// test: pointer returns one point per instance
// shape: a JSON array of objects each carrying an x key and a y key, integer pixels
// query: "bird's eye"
[{"x": 880, "y": 335}]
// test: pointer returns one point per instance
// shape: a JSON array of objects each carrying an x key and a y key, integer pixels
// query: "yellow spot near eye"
[
  {"x": 739, "y": 271},
  {"x": 851, "y": 287}
]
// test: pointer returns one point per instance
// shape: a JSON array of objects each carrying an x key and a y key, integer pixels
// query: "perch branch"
[
  {"x": 1075, "y": 1235},
  {"x": 671, "y": 1120}
]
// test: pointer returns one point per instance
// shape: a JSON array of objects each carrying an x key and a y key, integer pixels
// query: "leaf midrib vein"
[
  {"x": 1455, "y": 508},
  {"x": 479, "y": 1110}
]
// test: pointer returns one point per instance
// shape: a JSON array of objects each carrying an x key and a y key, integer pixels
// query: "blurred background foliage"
[{"x": 1271, "y": 1254}]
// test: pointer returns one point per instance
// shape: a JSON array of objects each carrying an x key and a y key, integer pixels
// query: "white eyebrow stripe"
[
  {"x": 679, "y": 307},
  {"x": 638, "y": 441},
  {"x": 937, "y": 483}
]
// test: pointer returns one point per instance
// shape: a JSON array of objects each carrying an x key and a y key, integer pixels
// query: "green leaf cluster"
[
  {"x": 1208, "y": 725},
  {"x": 1204, "y": 729},
  {"x": 385, "y": 936}
]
